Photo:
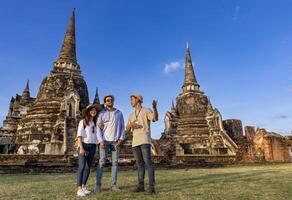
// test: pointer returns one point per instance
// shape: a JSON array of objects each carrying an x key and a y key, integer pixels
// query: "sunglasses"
[
  {"x": 109, "y": 100},
  {"x": 93, "y": 129}
]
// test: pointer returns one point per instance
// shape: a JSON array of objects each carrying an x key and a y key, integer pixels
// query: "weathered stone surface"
[
  {"x": 48, "y": 124},
  {"x": 249, "y": 132},
  {"x": 192, "y": 126},
  {"x": 264, "y": 147},
  {"x": 270, "y": 146},
  {"x": 17, "y": 110},
  {"x": 52, "y": 119},
  {"x": 234, "y": 129}
]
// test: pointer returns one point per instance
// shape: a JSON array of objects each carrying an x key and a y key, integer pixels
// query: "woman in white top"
[{"x": 87, "y": 142}]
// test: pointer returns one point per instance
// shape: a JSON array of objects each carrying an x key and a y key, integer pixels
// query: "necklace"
[{"x": 137, "y": 115}]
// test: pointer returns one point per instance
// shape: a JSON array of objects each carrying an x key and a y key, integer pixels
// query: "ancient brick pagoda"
[
  {"x": 18, "y": 107},
  {"x": 193, "y": 125},
  {"x": 49, "y": 127}
]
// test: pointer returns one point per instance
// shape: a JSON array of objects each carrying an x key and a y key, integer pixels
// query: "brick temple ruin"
[
  {"x": 193, "y": 124},
  {"x": 18, "y": 107},
  {"x": 194, "y": 131},
  {"x": 45, "y": 126}
]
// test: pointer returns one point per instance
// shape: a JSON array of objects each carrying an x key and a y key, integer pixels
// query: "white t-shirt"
[
  {"x": 109, "y": 130},
  {"x": 88, "y": 134},
  {"x": 113, "y": 125}
]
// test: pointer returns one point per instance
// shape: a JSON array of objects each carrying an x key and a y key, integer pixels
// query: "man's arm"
[
  {"x": 99, "y": 135},
  {"x": 99, "y": 127},
  {"x": 121, "y": 130},
  {"x": 155, "y": 112},
  {"x": 99, "y": 121},
  {"x": 122, "y": 136},
  {"x": 130, "y": 125}
]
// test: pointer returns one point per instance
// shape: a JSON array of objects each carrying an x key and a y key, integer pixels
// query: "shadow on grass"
[{"x": 192, "y": 182}]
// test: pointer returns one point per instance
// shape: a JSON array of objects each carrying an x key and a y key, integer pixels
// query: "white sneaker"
[
  {"x": 85, "y": 190},
  {"x": 115, "y": 188},
  {"x": 80, "y": 193}
]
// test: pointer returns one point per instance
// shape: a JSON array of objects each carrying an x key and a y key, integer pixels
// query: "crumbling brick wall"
[{"x": 234, "y": 129}]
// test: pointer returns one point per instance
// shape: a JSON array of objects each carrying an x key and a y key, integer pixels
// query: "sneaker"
[
  {"x": 97, "y": 189},
  {"x": 150, "y": 192},
  {"x": 139, "y": 188},
  {"x": 85, "y": 190},
  {"x": 80, "y": 193},
  {"x": 115, "y": 188}
]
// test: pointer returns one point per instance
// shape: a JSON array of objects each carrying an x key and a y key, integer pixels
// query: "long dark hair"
[{"x": 87, "y": 117}]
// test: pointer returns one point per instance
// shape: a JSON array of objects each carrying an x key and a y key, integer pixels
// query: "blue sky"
[{"x": 241, "y": 49}]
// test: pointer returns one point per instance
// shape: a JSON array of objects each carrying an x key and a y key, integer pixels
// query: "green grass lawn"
[{"x": 233, "y": 182}]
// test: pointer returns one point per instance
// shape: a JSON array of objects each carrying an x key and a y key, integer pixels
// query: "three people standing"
[{"x": 106, "y": 127}]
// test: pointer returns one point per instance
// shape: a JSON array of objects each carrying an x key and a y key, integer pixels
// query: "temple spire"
[
  {"x": 26, "y": 92},
  {"x": 67, "y": 56},
  {"x": 190, "y": 81},
  {"x": 172, "y": 105},
  {"x": 96, "y": 98},
  {"x": 26, "y": 89}
]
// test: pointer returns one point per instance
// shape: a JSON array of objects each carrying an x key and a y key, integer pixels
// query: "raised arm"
[{"x": 155, "y": 112}]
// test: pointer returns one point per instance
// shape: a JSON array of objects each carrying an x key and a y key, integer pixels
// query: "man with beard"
[{"x": 111, "y": 133}]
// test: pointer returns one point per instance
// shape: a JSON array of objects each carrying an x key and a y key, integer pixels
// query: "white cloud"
[{"x": 173, "y": 66}]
